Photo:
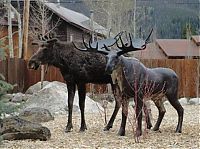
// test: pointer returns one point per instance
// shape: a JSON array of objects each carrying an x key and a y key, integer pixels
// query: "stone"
[
  {"x": 15, "y": 128},
  {"x": 20, "y": 97},
  {"x": 183, "y": 101},
  {"x": 36, "y": 114},
  {"x": 54, "y": 98},
  {"x": 36, "y": 87},
  {"x": 194, "y": 101}
]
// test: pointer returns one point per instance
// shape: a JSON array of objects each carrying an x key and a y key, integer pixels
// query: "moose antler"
[
  {"x": 147, "y": 39},
  {"x": 99, "y": 44},
  {"x": 49, "y": 38},
  {"x": 90, "y": 48},
  {"x": 134, "y": 44}
]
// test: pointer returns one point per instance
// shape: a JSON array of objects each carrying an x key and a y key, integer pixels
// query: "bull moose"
[
  {"x": 77, "y": 69},
  {"x": 135, "y": 80}
]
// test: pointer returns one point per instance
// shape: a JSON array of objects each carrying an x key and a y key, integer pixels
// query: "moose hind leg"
[
  {"x": 71, "y": 92},
  {"x": 117, "y": 96},
  {"x": 82, "y": 94},
  {"x": 159, "y": 104},
  {"x": 124, "y": 117},
  {"x": 138, "y": 111},
  {"x": 147, "y": 116},
  {"x": 176, "y": 104}
]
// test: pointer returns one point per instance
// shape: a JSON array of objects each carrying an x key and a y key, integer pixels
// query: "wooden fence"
[{"x": 16, "y": 72}]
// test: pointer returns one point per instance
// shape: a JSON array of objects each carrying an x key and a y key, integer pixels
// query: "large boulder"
[
  {"x": 36, "y": 115},
  {"x": 15, "y": 128},
  {"x": 54, "y": 98},
  {"x": 36, "y": 87}
]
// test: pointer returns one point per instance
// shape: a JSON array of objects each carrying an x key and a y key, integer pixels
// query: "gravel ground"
[{"x": 95, "y": 137}]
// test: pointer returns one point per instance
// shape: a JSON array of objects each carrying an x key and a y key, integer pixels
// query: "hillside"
[{"x": 169, "y": 18}]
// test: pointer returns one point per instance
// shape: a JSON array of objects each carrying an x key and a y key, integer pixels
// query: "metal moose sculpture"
[{"x": 134, "y": 80}]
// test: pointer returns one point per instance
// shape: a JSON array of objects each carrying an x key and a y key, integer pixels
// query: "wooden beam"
[{"x": 25, "y": 28}]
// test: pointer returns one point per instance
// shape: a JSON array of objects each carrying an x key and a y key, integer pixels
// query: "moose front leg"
[
  {"x": 118, "y": 98},
  {"x": 82, "y": 94},
  {"x": 71, "y": 92}
]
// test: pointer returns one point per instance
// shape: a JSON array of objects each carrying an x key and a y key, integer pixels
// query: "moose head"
[
  {"x": 113, "y": 56},
  {"x": 44, "y": 53}
]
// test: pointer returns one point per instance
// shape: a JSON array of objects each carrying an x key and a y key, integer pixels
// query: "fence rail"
[{"x": 16, "y": 72}]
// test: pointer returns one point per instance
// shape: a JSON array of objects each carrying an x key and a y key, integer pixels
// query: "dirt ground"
[{"x": 95, "y": 137}]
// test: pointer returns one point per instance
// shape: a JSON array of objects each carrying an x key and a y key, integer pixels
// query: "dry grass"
[{"x": 95, "y": 137}]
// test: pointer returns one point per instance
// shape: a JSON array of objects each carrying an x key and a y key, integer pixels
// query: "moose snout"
[{"x": 33, "y": 65}]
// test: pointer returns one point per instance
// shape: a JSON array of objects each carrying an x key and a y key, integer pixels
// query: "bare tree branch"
[{"x": 41, "y": 20}]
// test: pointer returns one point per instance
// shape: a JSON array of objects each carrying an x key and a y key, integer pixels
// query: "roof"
[
  {"x": 75, "y": 18},
  {"x": 151, "y": 51},
  {"x": 178, "y": 47},
  {"x": 196, "y": 40},
  {"x": 170, "y": 48}
]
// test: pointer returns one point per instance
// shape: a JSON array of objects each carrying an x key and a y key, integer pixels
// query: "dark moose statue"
[{"x": 135, "y": 80}]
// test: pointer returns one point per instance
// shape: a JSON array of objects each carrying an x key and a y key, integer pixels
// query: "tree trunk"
[
  {"x": 19, "y": 31},
  {"x": 25, "y": 28},
  {"x": 10, "y": 38}
]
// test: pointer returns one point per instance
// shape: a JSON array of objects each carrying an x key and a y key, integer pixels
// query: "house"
[
  {"x": 71, "y": 25},
  {"x": 74, "y": 23},
  {"x": 171, "y": 49}
]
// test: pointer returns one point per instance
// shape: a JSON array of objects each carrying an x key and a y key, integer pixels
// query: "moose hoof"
[
  {"x": 155, "y": 129},
  {"x": 178, "y": 131},
  {"x": 149, "y": 126},
  {"x": 121, "y": 132},
  {"x": 68, "y": 129},
  {"x": 107, "y": 128},
  {"x": 83, "y": 129}
]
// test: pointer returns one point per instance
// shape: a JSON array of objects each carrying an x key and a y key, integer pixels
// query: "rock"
[
  {"x": 36, "y": 87},
  {"x": 20, "y": 97},
  {"x": 183, "y": 101},
  {"x": 15, "y": 128},
  {"x": 7, "y": 97},
  {"x": 90, "y": 105},
  {"x": 36, "y": 114},
  {"x": 103, "y": 96},
  {"x": 54, "y": 98},
  {"x": 194, "y": 101}
]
